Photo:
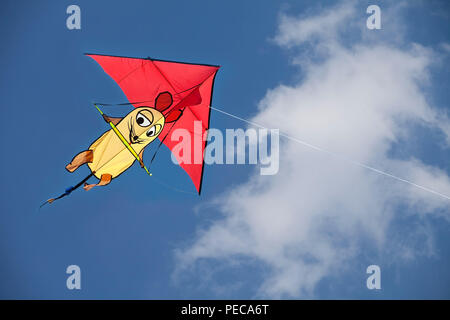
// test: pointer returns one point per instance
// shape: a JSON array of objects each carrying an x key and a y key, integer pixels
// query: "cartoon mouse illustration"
[{"x": 108, "y": 156}]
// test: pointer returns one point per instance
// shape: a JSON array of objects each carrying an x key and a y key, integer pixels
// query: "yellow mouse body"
[
  {"x": 108, "y": 156},
  {"x": 140, "y": 127}
]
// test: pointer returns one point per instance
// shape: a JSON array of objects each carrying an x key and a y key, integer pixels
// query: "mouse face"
[{"x": 144, "y": 125}]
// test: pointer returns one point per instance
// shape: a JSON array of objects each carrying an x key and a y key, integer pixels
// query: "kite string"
[
  {"x": 161, "y": 142},
  {"x": 173, "y": 188},
  {"x": 360, "y": 164},
  {"x": 139, "y": 102},
  {"x": 153, "y": 158}
]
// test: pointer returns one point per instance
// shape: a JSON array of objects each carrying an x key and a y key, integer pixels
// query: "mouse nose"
[{"x": 135, "y": 137}]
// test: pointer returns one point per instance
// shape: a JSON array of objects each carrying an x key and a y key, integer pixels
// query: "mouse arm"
[
  {"x": 141, "y": 156},
  {"x": 109, "y": 119}
]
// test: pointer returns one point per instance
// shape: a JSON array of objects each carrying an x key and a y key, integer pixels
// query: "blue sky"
[{"x": 128, "y": 237}]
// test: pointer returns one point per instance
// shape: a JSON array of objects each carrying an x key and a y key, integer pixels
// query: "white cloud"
[
  {"x": 446, "y": 47},
  {"x": 309, "y": 221},
  {"x": 323, "y": 27}
]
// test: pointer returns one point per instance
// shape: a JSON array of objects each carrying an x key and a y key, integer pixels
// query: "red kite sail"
[{"x": 191, "y": 86}]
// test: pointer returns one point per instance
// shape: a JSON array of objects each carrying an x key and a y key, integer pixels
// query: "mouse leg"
[
  {"x": 80, "y": 159},
  {"x": 104, "y": 180}
]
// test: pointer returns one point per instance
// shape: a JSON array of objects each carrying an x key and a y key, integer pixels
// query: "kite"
[{"x": 166, "y": 95}]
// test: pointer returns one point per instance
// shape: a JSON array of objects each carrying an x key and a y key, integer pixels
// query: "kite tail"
[{"x": 68, "y": 190}]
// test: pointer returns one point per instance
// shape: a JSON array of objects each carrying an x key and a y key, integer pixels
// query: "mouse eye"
[
  {"x": 142, "y": 120},
  {"x": 153, "y": 130}
]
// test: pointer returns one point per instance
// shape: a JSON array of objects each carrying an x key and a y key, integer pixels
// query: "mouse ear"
[
  {"x": 163, "y": 101},
  {"x": 173, "y": 116}
]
